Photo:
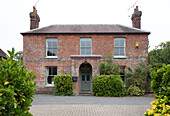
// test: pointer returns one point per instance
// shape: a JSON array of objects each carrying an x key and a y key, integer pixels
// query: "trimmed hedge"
[
  {"x": 63, "y": 85},
  {"x": 108, "y": 85},
  {"x": 16, "y": 87}
]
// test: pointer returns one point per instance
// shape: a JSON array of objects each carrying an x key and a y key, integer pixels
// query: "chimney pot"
[
  {"x": 34, "y": 19},
  {"x": 136, "y": 18}
]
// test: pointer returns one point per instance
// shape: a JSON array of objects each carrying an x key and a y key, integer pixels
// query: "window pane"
[
  {"x": 88, "y": 51},
  {"x": 54, "y": 71},
  {"x": 88, "y": 78},
  {"x": 122, "y": 42},
  {"x": 83, "y": 77},
  {"x": 50, "y": 79},
  {"x": 54, "y": 52},
  {"x": 121, "y": 51},
  {"x": 83, "y": 51},
  {"x": 49, "y": 52},
  {"x": 54, "y": 43},
  {"x": 116, "y": 51},
  {"x": 49, "y": 43},
  {"x": 88, "y": 43},
  {"x": 116, "y": 42},
  {"x": 83, "y": 43}
]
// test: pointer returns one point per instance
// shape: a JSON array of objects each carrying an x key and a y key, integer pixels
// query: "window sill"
[
  {"x": 51, "y": 57},
  {"x": 119, "y": 57},
  {"x": 49, "y": 85}
]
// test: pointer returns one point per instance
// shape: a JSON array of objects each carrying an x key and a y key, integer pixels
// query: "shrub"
[
  {"x": 140, "y": 77},
  {"x": 135, "y": 91},
  {"x": 108, "y": 85},
  {"x": 109, "y": 68},
  {"x": 160, "y": 107},
  {"x": 16, "y": 87},
  {"x": 161, "y": 80},
  {"x": 63, "y": 85}
]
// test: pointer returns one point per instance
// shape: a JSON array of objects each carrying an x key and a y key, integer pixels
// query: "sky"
[{"x": 14, "y": 17}]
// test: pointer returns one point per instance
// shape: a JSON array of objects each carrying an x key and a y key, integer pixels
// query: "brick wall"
[{"x": 34, "y": 53}]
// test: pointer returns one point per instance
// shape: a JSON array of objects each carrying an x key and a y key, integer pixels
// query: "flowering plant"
[{"x": 160, "y": 107}]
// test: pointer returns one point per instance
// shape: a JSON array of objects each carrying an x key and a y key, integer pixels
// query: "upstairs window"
[
  {"x": 119, "y": 47},
  {"x": 85, "y": 46},
  {"x": 51, "y": 47},
  {"x": 51, "y": 72}
]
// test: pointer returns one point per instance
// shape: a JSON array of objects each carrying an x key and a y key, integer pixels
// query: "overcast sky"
[{"x": 14, "y": 17}]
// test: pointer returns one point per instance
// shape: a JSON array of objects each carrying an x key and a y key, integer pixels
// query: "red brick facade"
[{"x": 69, "y": 58}]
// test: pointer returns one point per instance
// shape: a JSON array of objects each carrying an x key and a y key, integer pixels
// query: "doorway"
[{"x": 85, "y": 78}]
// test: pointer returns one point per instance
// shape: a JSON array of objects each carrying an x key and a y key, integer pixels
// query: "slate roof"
[
  {"x": 2, "y": 54},
  {"x": 56, "y": 29}
]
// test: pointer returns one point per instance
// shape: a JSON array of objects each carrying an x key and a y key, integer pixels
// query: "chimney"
[
  {"x": 34, "y": 19},
  {"x": 136, "y": 18}
]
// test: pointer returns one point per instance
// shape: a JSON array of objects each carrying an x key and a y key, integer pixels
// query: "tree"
[{"x": 161, "y": 54}]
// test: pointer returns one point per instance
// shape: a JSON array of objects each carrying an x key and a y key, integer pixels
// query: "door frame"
[{"x": 89, "y": 69}]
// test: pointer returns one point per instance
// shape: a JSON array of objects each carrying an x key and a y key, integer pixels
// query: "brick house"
[
  {"x": 2, "y": 55},
  {"x": 78, "y": 49}
]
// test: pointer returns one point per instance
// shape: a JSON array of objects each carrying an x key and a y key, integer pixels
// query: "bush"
[
  {"x": 109, "y": 68},
  {"x": 63, "y": 85},
  {"x": 135, "y": 91},
  {"x": 161, "y": 80},
  {"x": 140, "y": 77},
  {"x": 16, "y": 87},
  {"x": 108, "y": 85},
  {"x": 160, "y": 107}
]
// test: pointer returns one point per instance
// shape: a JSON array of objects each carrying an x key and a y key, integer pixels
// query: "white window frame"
[
  {"x": 47, "y": 74},
  {"x": 52, "y": 47},
  {"x": 120, "y": 56},
  {"x": 86, "y": 39}
]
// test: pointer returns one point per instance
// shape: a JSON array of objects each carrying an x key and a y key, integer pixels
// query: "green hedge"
[
  {"x": 63, "y": 85},
  {"x": 108, "y": 85},
  {"x": 161, "y": 80},
  {"x": 16, "y": 87}
]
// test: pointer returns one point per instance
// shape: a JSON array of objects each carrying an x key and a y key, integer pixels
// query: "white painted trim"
[
  {"x": 51, "y": 57},
  {"x": 49, "y": 85},
  {"x": 120, "y": 57},
  {"x": 86, "y": 56}
]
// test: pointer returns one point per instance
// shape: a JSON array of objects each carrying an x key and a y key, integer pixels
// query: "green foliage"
[
  {"x": 160, "y": 107},
  {"x": 108, "y": 85},
  {"x": 135, "y": 91},
  {"x": 63, "y": 85},
  {"x": 161, "y": 54},
  {"x": 16, "y": 87},
  {"x": 139, "y": 77},
  {"x": 161, "y": 80},
  {"x": 109, "y": 68}
]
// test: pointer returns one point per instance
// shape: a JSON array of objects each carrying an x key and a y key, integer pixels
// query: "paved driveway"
[{"x": 49, "y": 105}]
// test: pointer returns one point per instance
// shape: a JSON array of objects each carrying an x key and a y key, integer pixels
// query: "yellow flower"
[
  {"x": 150, "y": 112},
  {"x": 153, "y": 106},
  {"x": 166, "y": 115},
  {"x": 6, "y": 83},
  {"x": 167, "y": 107},
  {"x": 157, "y": 114}
]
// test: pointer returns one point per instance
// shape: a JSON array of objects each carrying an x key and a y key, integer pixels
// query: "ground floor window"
[
  {"x": 122, "y": 73},
  {"x": 51, "y": 71}
]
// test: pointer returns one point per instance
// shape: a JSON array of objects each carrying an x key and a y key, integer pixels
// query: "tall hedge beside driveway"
[
  {"x": 63, "y": 85},
  {"x": 108, "y": 85}
]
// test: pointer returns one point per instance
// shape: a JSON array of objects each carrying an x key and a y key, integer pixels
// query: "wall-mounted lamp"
[{"x": 136, "y": 44}]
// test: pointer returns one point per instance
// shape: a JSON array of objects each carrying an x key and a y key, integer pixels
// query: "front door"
[{"x": 85, "y": 82}]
